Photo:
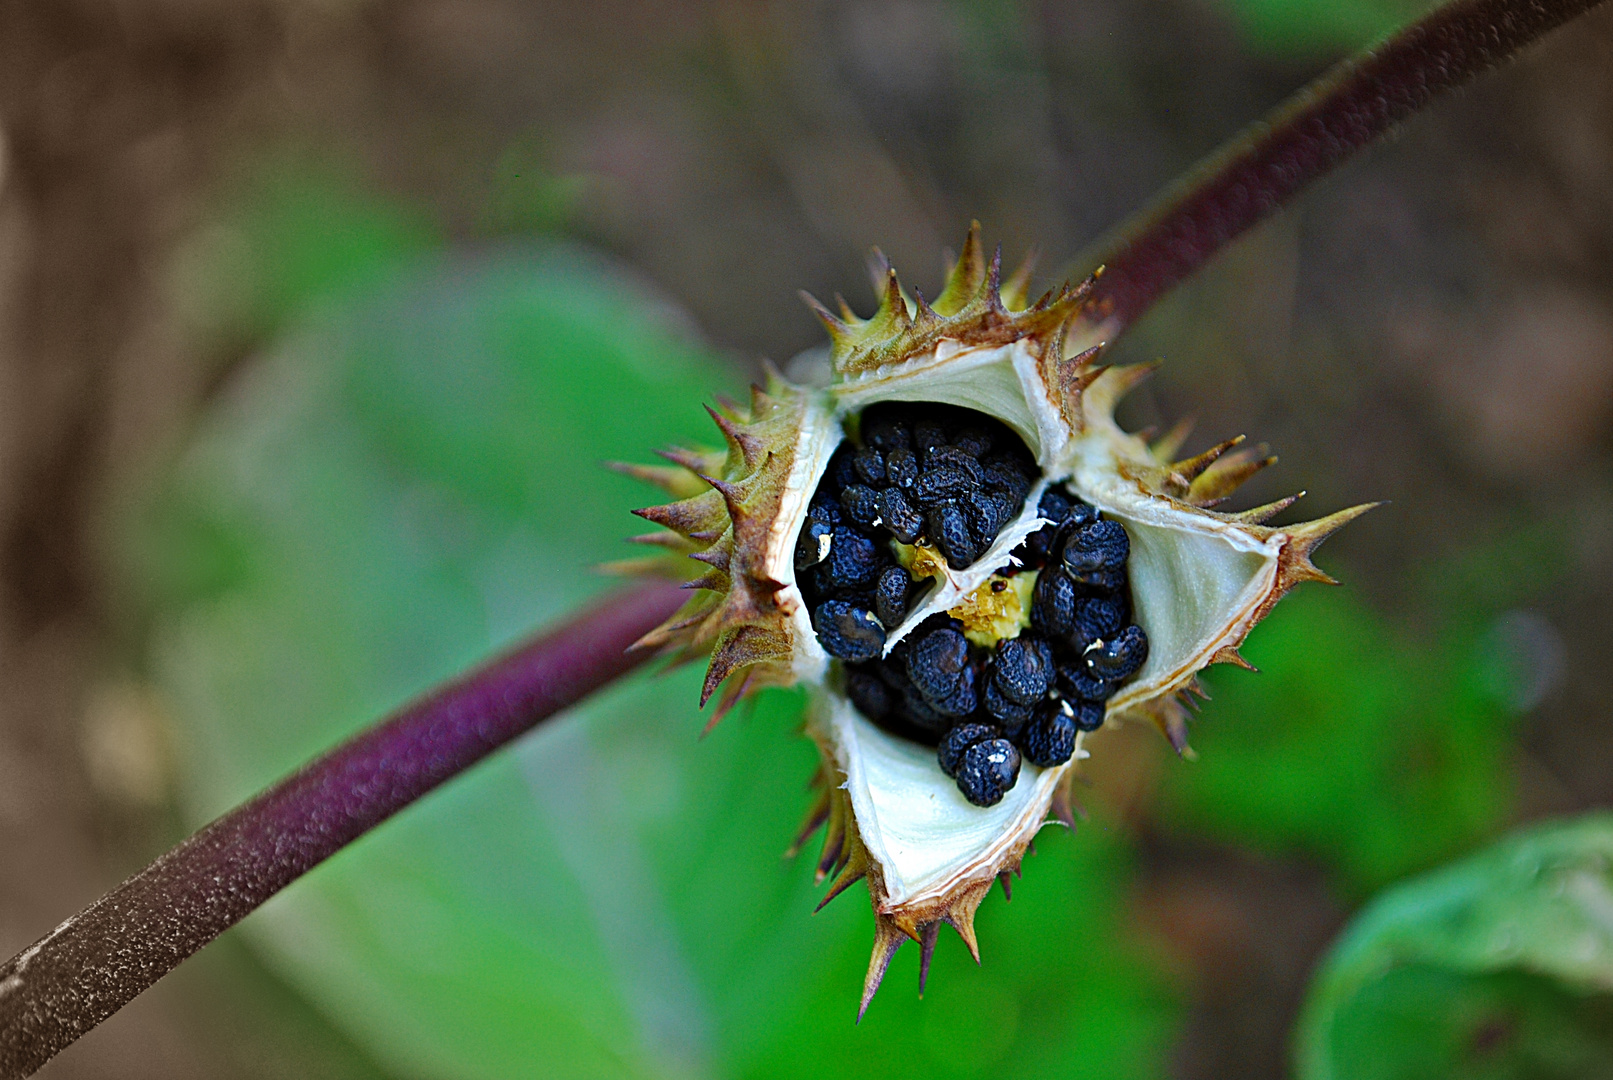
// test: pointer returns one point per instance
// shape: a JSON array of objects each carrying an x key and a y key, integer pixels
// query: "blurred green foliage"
[
  {"x": 1309, "y": 28},
  {"x": 1499, "y": 967},
  {"x": 1375, "y": 749},
  {"x": 407, "y": 482}
]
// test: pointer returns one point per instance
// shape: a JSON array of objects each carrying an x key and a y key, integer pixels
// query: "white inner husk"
[{"x": 1196, "y": 583}]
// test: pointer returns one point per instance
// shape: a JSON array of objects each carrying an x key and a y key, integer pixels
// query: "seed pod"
[{"x": 1198, "y": 579}]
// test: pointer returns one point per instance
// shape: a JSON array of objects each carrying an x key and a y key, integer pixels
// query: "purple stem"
[
  {"x": 1312, "y": 133},
  {"x": 96, "y": 962}
]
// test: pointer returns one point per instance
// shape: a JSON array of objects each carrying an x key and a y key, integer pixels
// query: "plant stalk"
[
  {"x": 1305, "y": 138},
  {"x": 97, "y": 961}
]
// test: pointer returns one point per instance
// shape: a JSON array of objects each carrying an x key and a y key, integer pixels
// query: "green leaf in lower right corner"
[{"x": 1497, "y": 967}]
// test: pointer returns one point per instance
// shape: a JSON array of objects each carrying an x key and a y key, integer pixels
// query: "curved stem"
[
  {"x": 96, "y": 962},
  {"x": 1309, "y": 135}
]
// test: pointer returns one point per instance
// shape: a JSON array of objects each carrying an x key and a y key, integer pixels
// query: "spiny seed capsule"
[
  {"x": 931, "y": 476},
  {"x": 1045, "y": 424}
]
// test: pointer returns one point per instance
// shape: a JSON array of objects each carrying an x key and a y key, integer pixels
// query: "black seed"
[
  {"x": 953, "y": 458},
  {"x": 1088, "y": 715},
  {"x": 988, "y": 769},
  {"x": 854, "y": 562},
  {"x": 1053, "y": 603},
  {"x": 949, "y": 532},
  {"x": 810, "y": 548},
  {"x": 1096, "y": 554},
  {"x": 1101, "y": 616},
  {"x": 870, "y": 466},
  {"x": 901, "y": 468},
  {"x": 981, "y": 515},
  {"x": 848, "y": 631},
  {"x": 869, "y": 694},
  {"x": 904, "y": 522},
  {"x": 939, "y": 484},
  {"x": 972, "y": 441},
  {"x": 1023, "y": 668},
  {"x": 920, "y": 713},
  {"x": 861, "y": 503},
  {"x": 936, "y": 661},
  {"x": 1049, "y": 739},
  {"x": 949, "y": 755},
  {"x": 1075, "y": 681},
  {"x": 1005, "y": 476},
  {"x": 841, "y": 470},
  {"x": 888, "y": 435},
  {"x": 927, "y": 434},
  {"x": 1119, "y": 657},
  {"x": 1054, "y": 505},
  {"x": 962, "y": 700},
  {"x": 1080, "y": 514},
  {"x": 890, "y": 596},
  {"x": 1003, "y": 709}
]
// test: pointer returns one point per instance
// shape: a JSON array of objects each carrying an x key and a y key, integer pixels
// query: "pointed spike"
[
  {"x": 991, "y": 289},
  {"x": 839, "y": 332},
  {"x": 853, "y": 870},
  {"x": 1262, "y": 514},
  {"x": 893, "y": 306},
  {"x": 1309, "y": 535},
  {"x": 718, "y": 556},
  {"x": 887, "y": 939},
  {"x": 675, "y": 481},
  {"x": 732, "y": 696},
  {"x": 879, "y": 269},
  {"x": 834, "y": 839},
  {"x": 963, "y": 283},
  {"x": 647, "y": 566},
  {"x": 761, "y": 402},
  {"x": 847, "y": 316},
  {"x": 1229, "y": 654},
  {"x": 960, "y": 915},
  {"x": 1226, "y": 476},
  {"x": 711, "y": 581},
  {"x": 666, "y": 538},
  {"x": 815, "y": 818},
  {"x": 1002, "y": 879},
  {"x": 848, "y": 877},
  {"x": 925, "y": 313},
  {"x": 693, "y": 460},
  {"x": 750, "y": 449},
  {"x": 931, "y": 932},
  {"x": 731, "y": 408},
  {"x": 1194, "y": 467},
  {"x": 1017, "y": 288},
  {"x": 1166, "y": 448}
]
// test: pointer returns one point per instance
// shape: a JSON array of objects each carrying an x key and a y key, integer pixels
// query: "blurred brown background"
[{"x": 1433, "y": 326}]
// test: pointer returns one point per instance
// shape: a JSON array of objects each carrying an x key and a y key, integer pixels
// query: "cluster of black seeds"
[
  {"x": 944, "y": 476},
  {"x": 986, "y": 710}
]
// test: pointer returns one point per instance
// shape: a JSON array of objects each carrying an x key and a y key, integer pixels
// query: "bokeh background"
[{"x": 317, "y": 315}]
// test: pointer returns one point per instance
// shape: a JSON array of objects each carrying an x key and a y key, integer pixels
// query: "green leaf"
[
  {"x": 1356, "y": 744},
  {"x": 1500, "y": 966}
]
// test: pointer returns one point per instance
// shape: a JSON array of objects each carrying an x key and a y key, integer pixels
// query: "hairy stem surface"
[
  {"x": 96, "y": 962},
  {"x": 1308, "y": 136}
]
